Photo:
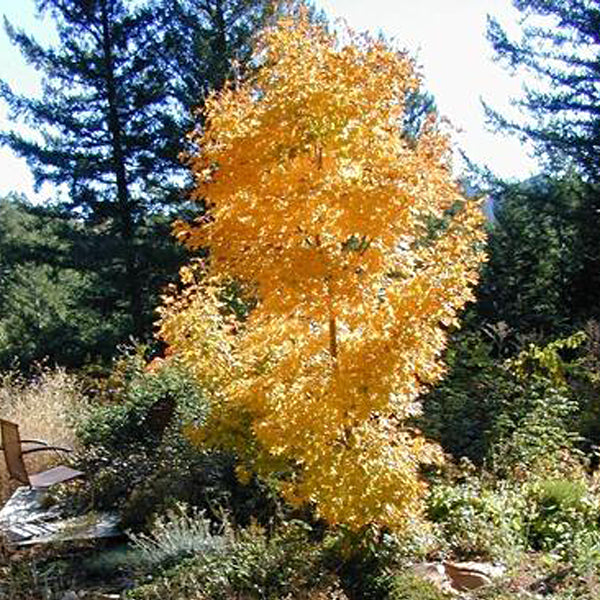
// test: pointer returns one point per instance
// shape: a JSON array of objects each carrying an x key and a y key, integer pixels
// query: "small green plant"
[
  {"x": 141, "y": 460},
  {"x": 485, "y": 520},
  {"x": 408, "y": 586},
  {"x": 252, "y": 565},
  {"x": 535, "y": 435},
  {"x": 561, "y": 512},
  {"x": 34, "y": 579}
]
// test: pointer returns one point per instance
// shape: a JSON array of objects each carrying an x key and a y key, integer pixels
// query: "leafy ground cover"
[{"x": 194, "y": 531}]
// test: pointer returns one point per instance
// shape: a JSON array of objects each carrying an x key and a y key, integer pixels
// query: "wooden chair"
[{"x": 12, "y": 446}]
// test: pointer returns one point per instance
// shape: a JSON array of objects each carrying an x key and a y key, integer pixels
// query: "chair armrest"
[
  {"x": 40, "y": 442},
  {"x": 46, "y": 448}
]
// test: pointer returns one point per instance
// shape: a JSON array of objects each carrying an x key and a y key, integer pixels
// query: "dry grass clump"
[{"x": 44, "y": 408}]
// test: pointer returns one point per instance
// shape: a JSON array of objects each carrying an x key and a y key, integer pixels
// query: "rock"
[
  {"x": 88, "y": 526},
  {"x": 470, "y": 575},
  {"x": 27, "y": 505},
  {"x": 456, "y": 577},
  {"x": 490, "y": 570}
]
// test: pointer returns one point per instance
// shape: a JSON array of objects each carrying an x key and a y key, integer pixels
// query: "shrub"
[
  {"x": 136, "y": 417},
  {"x": 252, "y": 565},
  {"x": 514, "y": 416},
  {"x": 203, "y": 479},
  {"x": 534, "y": 434},
  {"x": 500, "y": 520},
  {"x": 180, "y": 532},
  {"x": 140, "y": 457},
  {"x": 563, "y": 517},
  {"x": 365, "y": 559},
  {"x": 150, "y": 406},
  {"x": 34, "y": 579},
  {"x": 408, "y": 586},
  {"x": 480, "y": 519}
]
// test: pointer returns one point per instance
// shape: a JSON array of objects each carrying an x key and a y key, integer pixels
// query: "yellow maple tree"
[{"x": 359, "y": 249}]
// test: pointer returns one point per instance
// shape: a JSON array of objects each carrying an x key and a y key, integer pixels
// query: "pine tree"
[
  {"x": 111, "y": 123},
  {"x": 531, "y": 279},
  {"x": 48, "y": 307},
  {"x": 559, "y": 52},
  {"x": 219, "y": 31},
  {"x": 359, "y": 250}
]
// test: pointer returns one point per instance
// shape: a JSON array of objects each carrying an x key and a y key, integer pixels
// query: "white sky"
[
  {"x": 447, "y": 37},
  {"x": 14, "y": 173}
]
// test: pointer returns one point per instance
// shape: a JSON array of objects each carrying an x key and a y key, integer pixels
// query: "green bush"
[
  {"x": 367, "y": 561},
  {"x": 206, "y": 480},
  {"x": 501, "y": 520},
  {"x": 134, "y": 430},
  {"x": 484, "y": 520},
  {"x": 252, "y": 565},
  {"x": 364, "y": 560},
  {"x": 514, "y": 416},
  {"x": 563, "y": 516},
  {"x": 140, "y": 459},
  {"x": 535, "y": 434},
  {"x": 150, "y": 408},
  {"x": 408, "y": 586}
]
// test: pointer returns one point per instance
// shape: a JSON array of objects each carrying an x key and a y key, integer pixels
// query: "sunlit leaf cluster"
[{"x": 359, "y": 249}]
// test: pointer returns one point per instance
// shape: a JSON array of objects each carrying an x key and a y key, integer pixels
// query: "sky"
[{"x": 447, "y": 37}]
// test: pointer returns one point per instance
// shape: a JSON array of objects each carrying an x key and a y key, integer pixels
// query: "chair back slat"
[{"x": 11, "y": 445}]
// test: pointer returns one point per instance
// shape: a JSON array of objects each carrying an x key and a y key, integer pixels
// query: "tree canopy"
[
  {"x": 359, "y": 250},
  {"x": 533, "y": 279}
]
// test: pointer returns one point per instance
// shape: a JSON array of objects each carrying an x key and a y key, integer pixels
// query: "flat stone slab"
[
  {"x": 455, "y": 577},
  {"x": 26, "y": 519}
]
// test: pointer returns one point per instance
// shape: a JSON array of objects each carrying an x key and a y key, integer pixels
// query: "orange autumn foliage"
[{"x": 360, "y": 250}]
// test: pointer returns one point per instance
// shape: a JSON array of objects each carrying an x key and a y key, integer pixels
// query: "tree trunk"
[
  {"x": 125, "y": 209},
  {"x": 220, "y": 45}
]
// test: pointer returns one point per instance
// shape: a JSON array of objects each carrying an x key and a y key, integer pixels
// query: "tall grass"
[{"x": 44, "y": 407}]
